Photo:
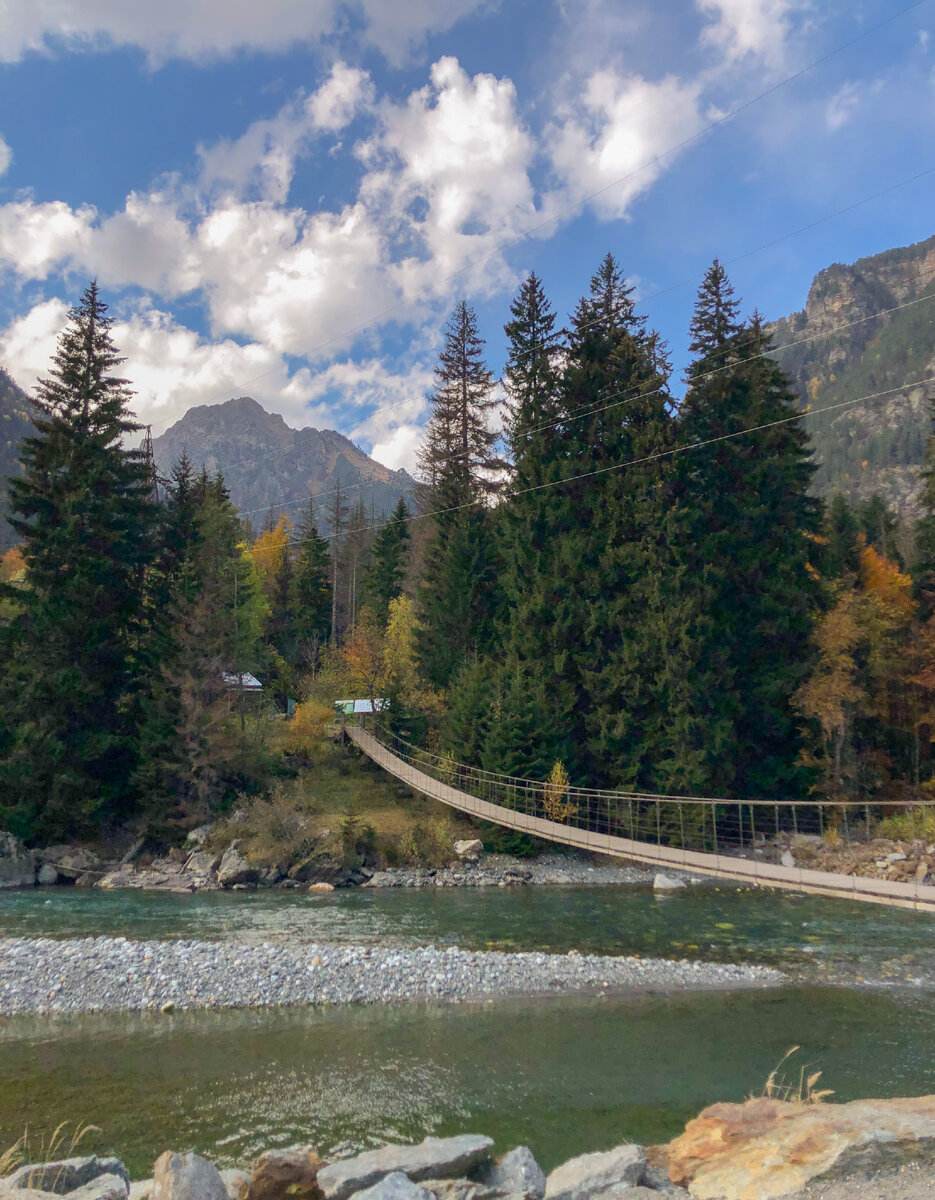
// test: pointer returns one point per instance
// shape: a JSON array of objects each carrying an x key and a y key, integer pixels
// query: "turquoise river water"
[{"x": 563, "y": 1075}]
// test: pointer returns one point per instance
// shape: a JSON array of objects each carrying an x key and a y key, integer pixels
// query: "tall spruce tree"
[
  {"x": 754, "y": 529},
  {"x": 615, "y": 393},
  {"x": 311, "y": 588},
  {"x": 386, "y": 570},
  {"x": 457, "y": 462},
  {"x": 78, "y": 640}
]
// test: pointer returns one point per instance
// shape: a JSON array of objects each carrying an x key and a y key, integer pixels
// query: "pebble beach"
[{"x": 47, "y": 976}]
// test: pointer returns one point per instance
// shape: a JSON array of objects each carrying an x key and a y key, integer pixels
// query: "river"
[{"x": 564, "y": 1075}]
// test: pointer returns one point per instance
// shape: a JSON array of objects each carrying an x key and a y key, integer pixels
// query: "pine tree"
[
  {"x": 841, "y": 557},
  {"x": 80, "y": 655},
  {"x": 529, "y": 521},
  {"x": 388, "y": 559},
  {"x": 457, "y": 463},
  {"x": 311, "y": 588},
  {"x": 754, "y": 529},
  {"x": 337, "y": 513}
]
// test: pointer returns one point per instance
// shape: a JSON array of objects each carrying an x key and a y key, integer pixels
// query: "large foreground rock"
[
  {"x": 517, "y": 1173},
  {"x": 434, "y": 1158},
  {"x": 186, "y": 1177},
  {"x": 65, "y": 1174},
  {"x": 765, "y": 1148},
  {"x": 592, "y": 1175},
  {"x": 17, "y": 864},
  {"x": 292, "y": 1172}
]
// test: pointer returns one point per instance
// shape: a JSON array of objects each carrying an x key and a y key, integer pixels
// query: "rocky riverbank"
[
  {"x": 201, "y": 866},
  {"x": 762, "y": 1149},
  {"x": 113, "y": 974}
]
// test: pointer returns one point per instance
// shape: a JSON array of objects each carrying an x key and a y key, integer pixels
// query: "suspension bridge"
[{"x": 714, "y": 837}]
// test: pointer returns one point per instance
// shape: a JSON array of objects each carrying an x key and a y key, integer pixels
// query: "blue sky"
[{"x": 286, "y": 200}]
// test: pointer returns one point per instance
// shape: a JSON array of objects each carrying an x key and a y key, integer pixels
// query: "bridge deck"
[{"x": 915, "y": 894}]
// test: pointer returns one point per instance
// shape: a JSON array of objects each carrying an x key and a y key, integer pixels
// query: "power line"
[
  {"x": 383, "y": 408},
  {"x": 627, "y": 393},
  {"x": 650, "y": 162},
  {"x": 670, "y": 452}
]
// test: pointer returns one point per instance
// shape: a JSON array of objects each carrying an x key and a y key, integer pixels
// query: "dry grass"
[
  {"x": 804, "y": 1090},
  {"x": 59, "y": 1145}
]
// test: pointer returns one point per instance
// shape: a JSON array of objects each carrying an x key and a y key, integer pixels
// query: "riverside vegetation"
[{"x": 623, "y": 589}]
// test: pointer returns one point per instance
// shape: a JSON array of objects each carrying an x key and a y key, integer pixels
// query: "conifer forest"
[{"x": 606, "y": 567}]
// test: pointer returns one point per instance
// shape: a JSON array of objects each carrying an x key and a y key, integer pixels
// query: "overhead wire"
[
  {"x": 723, "y": 119},
  {"x": 383, "y": 408}
]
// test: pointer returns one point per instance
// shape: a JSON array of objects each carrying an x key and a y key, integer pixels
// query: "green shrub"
[{"x": 907, "y": 826}]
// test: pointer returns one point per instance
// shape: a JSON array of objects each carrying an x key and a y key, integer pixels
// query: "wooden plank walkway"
[{"x": 914, "y": 895}]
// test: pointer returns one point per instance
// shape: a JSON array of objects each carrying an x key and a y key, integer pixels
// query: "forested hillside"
[
  {"x": 15, "y": 424},
  {"x": 268, "y": 466},
  {"x": 875, "y": 446}
]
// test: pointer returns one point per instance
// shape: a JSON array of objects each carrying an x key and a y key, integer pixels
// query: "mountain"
[
  {"x": 270, "y": 467},
  {"x": 876, "y": 445},
  {"x": 15, "y": 423}
]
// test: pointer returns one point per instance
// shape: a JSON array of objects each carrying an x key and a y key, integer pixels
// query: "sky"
[{"x": 287, "y": 199}]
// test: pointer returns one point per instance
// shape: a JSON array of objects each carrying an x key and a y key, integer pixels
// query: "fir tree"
[
  {"x": 754, "y": 529},
  {"x": 457, "y": 464},
  {"x": 80, "y": 654},
  {"x": 311, "y": 588},
  {"x": 388, "y": 560},
  {"x": 841, "y": 557},
  {"x": 337, "y": 513}
]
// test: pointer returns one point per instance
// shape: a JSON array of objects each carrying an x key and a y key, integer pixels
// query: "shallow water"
[
  {"x": 719, "y": 924},
  {"x": 564, "y": 1075}
]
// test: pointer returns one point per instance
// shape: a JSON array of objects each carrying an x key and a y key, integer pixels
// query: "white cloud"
[
  {"x": 842, "y": 106},
  {"x": 400, "y": 450},
  {"x": 615, "y": 130},
  {"x": 6, "y": 156},
  {"x": 210, "y": 29},
  {"x": 262, "y": 160},
  {"x": 750, "y": 28}
]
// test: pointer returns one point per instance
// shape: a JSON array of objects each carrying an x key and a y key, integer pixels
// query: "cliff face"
[
  {"x": 875, "y": 445},
  {"x": 270, "y": 467},
  {"x": 15, "y": 423}
]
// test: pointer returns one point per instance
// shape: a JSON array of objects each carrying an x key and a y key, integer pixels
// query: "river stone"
[
  {"x": 292, "y": 1172},
  {"x": 47, "y": 875},
  {"x": 594, "y": 1174},
  {"x": 395, "y": 1186},
  {"x": 519, "y": 1172},
  {"x": 186, "y": 1177},
  {"x": 235, "y": 869},
  {"x": 17, "y": 864},
  {"x": 461, "y": 1189},
  {"x": 765, "y": 1148},
  {"x": 65, "y": 1175},
  {"x": 665, "y": 883},
  {"x": 469, "y": 850},
  {"x": 105, "y": 1187},
  {"x": 433, "y": 1158},
  {"x": 201, "y": 862},
  {"x": 236, "y": 1182},
  {"x": 140, "y": 1190}
]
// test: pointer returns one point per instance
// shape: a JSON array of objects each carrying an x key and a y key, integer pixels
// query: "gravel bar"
[{"x": 41, "y": 975}]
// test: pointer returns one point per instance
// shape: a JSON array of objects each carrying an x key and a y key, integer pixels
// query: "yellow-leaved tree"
[{"x": 555, "y": 799}]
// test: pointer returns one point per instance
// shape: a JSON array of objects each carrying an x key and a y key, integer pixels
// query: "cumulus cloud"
[
  {"x": 6, "y": 156},
  {"x": 211, "y": 29},
  {"x": 615, "y": 130},
  {"x": 262, "y": 160},
  {"x": 750, "y": 28}
]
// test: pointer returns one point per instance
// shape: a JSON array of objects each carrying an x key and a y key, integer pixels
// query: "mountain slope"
[
  {"x": 15, "y": 423},
  {"x": 270, "y": 467},
  {"x": 874, "y": 445}
]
